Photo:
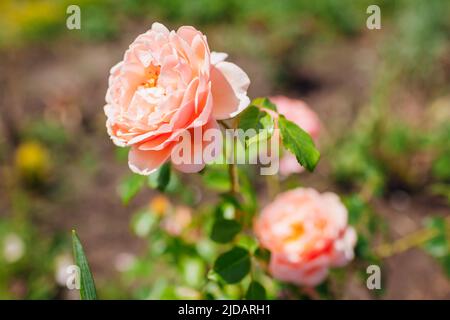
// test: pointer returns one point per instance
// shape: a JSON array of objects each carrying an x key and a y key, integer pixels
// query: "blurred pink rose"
[
  {"x": 176, "y": 222},
  {"x": 298, "y": 112},
  {"x": 307, "y": 233},
  {"x": 169, "y": 82}
]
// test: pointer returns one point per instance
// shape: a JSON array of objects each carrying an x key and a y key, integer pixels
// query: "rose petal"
[
  {"x": 158, "y": 27},
  {"x": 307, "y": 275},
  {"x": 146, "y": 162},
  {"x": 229, "y": 85},
  {"x": 217, "y": 57}
]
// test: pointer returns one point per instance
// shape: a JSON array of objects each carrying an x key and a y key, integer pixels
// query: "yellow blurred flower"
[
  {"x": 159, "y": 205},
  {"x": 18, "y": 17},
  {"x": 32, "y": 160}
]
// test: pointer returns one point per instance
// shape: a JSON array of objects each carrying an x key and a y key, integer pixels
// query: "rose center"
[
  {"x": 296, "y": 231},
  {"x": 151, "y": 78}
]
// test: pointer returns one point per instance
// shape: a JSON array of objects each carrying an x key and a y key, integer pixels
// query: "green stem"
[
  {"x": 273, "y": 186},
  {"x": 232, "y": 167},
  {"x": 234, "y": 178},
  {"x": 411, "y": 240}
]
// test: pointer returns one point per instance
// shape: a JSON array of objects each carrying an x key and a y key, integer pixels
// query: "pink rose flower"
[
  {"x": 298, "y": 112},
  {"x": 307, "y": 233},
  {"x": 169, "y": 82}
]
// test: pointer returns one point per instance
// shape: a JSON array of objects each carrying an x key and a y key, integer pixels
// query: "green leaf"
[
  {"x": 323, "y": 289},
  {"x": 87, "y": 285},
  {"x": 255, "y": 291},
  {"x": 441, "y": 189},
  {"x": 265, "y": 131},
  {"x": 249, "y": 196},
  {"x": 356, "y": 208},
  {"x": 446, "y": 264},
  {"x": 216, "y": 178},
  {"x": 162, "y": 290},
  {"x": 224, "y": 230},
  {"x": 247, "y": 242},
  {"x": 264, "y": 103},
  {"x": 143, "y": 222},
  {"x": 296, "y": 140},
  {"x": 259, "y": 120},
  {"x": 254, "y": 118},
  {"x": 160, "y": 178},
  {"x": 193, "y": 270},
  {"x": 212, "y": 276},
  {"x": 262, "y": 254},
  {"x": 164, "y": 176},
  {"x": 130, "y": 186},
  {"x": 232, "y": 266},
  {"x": 228, "y": 198},
  {"x": 441, "y": 166},
  {"x": 363, "y": 248},
  {"x": 438, "y": 246},
  {"x": 249, "y": 118}
]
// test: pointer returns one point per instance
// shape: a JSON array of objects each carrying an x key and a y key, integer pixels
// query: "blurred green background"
[{"x": 383, "y": 97}]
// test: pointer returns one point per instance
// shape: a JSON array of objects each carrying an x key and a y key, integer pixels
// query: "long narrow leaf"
[{"x": 87, "y": 285}]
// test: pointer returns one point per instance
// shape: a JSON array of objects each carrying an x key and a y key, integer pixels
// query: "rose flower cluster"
[{"x": 169, "y": 82}]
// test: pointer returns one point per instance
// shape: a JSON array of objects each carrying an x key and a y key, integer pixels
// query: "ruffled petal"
[
  {"x": 145, "y": 162},
  {"x": 229, "y": 85}
]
